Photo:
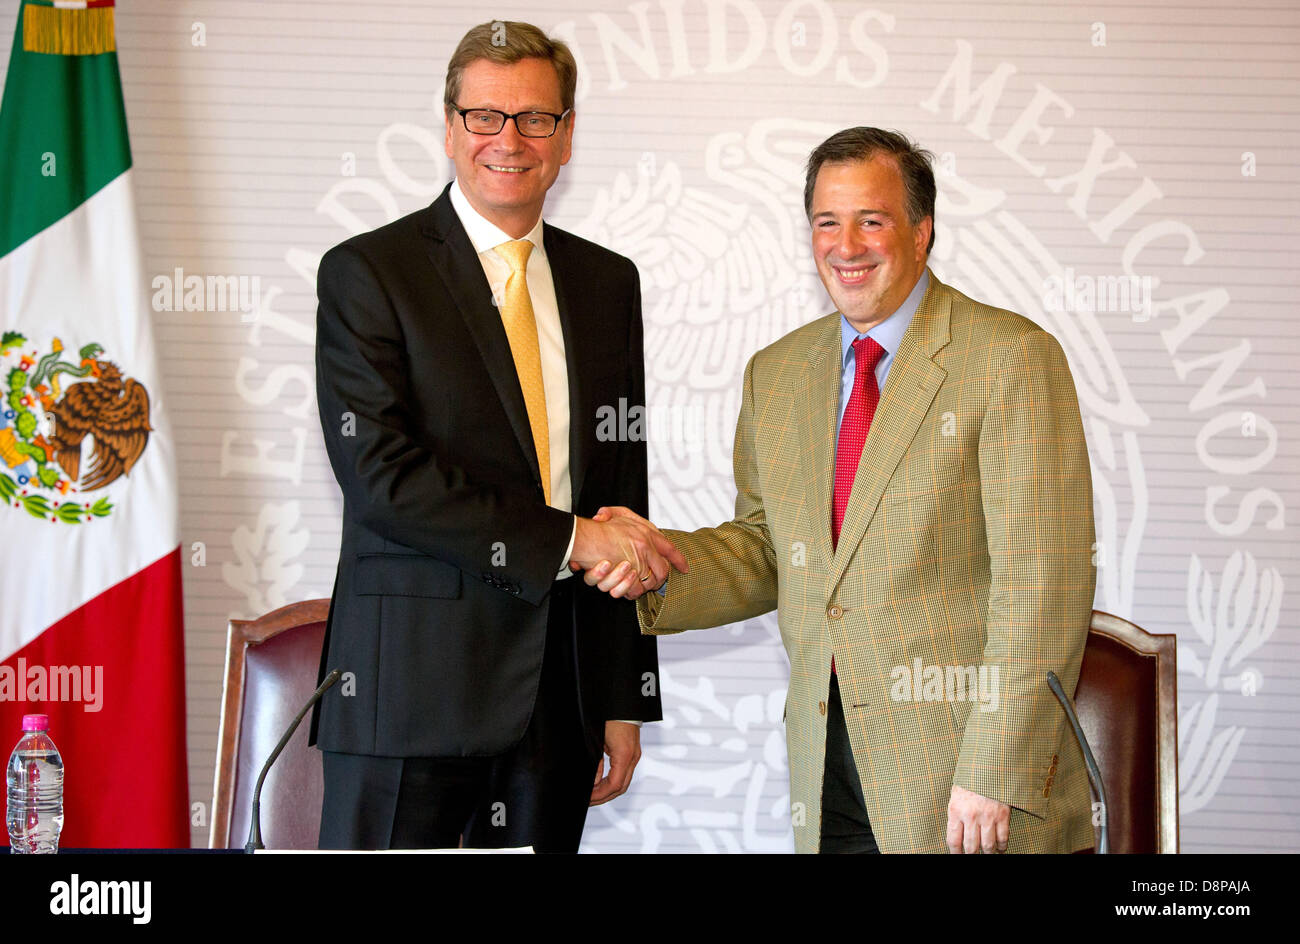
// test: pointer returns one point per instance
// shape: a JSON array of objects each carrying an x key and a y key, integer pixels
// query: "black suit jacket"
[{"x": 449, "y": 551}]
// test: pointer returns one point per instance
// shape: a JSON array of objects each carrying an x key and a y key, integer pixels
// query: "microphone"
[
  {"x": 1094, "y": 772},
  {"x": 255, "y": 827}
]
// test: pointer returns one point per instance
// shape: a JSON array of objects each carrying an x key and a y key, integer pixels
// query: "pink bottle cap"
[{"x": 36, "y": 722}]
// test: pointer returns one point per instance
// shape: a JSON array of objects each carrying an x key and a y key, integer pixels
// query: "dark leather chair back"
[
  {"x": 271, "y": 666},
  {"x": 1127, "y": 706}
]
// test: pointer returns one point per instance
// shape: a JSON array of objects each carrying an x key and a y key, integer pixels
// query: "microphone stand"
[
  {"x": 255, "y": 827},
  {"x": 1094, "y": 772}
]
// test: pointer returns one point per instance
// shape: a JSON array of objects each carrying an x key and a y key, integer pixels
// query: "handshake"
[{"x": 623, "y": 554}]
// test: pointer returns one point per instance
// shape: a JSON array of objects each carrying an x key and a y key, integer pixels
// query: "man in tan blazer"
[{"x": 914, "y": 499}]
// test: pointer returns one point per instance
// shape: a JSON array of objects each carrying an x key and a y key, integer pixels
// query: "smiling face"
[
  {"x": 869, "y": 255},
  {"x": 505, "y": 175}
]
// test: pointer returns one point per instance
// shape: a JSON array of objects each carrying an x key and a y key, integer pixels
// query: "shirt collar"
[
  {"x": 889, "y": 333},
  {"x": 483, "y": 234}
]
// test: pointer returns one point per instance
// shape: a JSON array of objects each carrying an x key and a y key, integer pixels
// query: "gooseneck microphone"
[
  {"x": 255, "y": 827},
  {"x": 1094, "y": 772}
]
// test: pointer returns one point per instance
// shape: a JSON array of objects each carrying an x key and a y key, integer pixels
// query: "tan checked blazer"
[{"x": 968, "y": 542}]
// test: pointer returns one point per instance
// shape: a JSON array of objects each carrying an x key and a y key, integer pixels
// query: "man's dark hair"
[{"x": 862, "y": 144}]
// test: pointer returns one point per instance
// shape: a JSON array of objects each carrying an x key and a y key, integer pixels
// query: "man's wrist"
[{"x": 568, "y": 554}]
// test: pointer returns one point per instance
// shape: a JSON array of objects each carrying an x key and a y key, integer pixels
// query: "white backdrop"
[{"x": 1076, "y": 141}]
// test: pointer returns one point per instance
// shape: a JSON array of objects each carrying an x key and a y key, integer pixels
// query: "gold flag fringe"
[{"x": 63, "y": 32}]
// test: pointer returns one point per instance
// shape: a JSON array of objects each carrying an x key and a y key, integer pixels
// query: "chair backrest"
[
  {"x": 271, "y": 667},
  {"x": 1127, "y": 706}
]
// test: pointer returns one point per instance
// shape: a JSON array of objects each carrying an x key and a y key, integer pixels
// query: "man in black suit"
[{"x": 462, "y": 355}]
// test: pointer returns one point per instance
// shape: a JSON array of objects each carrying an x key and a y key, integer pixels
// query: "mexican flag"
[{"x": 90, "y": 583}]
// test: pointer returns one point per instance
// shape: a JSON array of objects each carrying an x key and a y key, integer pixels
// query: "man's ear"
[
  {"x": 566, "y": 129},
  {"x": 923, "y": 231},
  {"x": 450, "y": 117}
]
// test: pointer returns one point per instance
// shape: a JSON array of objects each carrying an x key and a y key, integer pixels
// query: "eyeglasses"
[{"x": 530, "y": 124}]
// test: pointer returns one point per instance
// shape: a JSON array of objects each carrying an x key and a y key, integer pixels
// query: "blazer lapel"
[
  {"x": 819, "y": 394},
  {"x": 579, "y": 321},
  {"x": 458, "y": 265},
  {"x": 914, "y": 380}
]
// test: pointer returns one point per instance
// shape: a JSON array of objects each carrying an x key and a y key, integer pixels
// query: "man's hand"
[
  {"x": 977, "y": 823},
  {"x": 623, "y": 745},
  {"x": 645, "y": 556}
]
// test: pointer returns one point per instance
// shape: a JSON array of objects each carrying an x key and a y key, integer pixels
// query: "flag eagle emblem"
[{"x": 52, "y": 403}]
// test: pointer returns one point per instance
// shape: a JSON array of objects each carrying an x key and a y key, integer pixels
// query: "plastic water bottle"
[{"x": 34, "y": 807}]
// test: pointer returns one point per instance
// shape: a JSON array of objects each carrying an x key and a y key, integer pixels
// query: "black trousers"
[
  {"x": 845, "y": 825},
  {"x": 535, "y": 794}
]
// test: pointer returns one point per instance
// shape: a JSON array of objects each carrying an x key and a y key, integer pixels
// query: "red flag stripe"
[{"x": 125, "y": 782}]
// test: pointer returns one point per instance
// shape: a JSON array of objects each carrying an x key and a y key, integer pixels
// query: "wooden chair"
[
  {"x": 1127, "y": 706},
  {"x": 271, "y": 666}
]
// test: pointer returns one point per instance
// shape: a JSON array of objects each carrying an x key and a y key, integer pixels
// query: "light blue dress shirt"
[{"x": 888, "y": 334}]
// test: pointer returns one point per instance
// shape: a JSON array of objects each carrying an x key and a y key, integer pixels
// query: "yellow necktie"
[{"x": 521, "y": 330}]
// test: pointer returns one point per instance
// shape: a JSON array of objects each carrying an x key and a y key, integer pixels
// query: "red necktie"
[
  {"x": 853, "y": 431},
  {"x": 854, "y": 427}
]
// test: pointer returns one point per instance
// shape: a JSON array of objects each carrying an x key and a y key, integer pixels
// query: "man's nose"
[
  {"x": 508, "y": 138},
  {"x": 850, "y": 245}
]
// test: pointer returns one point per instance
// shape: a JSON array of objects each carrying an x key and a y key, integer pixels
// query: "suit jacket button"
[
  {"x": 1055, "y": 759},
  {"x": 821, "y": 706},
  {"x": 1047, "y": 791},
  {"x": 835, "y": 611}
]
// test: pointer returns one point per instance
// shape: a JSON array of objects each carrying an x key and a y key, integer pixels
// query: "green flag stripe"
[{"x": 62, "y": 137}]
